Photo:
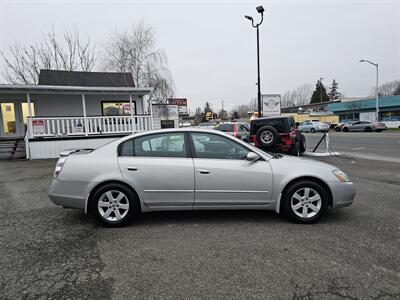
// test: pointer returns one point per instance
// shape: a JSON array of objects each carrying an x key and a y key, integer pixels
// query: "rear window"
[{"x": 225, "y": 127}]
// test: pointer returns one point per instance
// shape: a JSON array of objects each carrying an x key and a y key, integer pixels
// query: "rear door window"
[
  {"x": 156, "y": 145},
  {"x": 225, "y": 127}
]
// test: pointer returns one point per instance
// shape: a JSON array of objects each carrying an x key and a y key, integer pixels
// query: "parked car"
[
  {"x": 206, "y": 125},
  {"x": 364, "y": 126},
  {"x": 194, "y": 169},
  {"x": 277, "y": 134},
  {"x": 340, "y": 126},
  {"x": 392, "y": 122},
  {"x": 236, "y": 129},
  {"x": 313, "y": 126}
]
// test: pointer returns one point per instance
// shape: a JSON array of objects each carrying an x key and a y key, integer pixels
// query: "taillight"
[
  {"x": 59, "y": 165},
  {"x": 235, "y": 131}
]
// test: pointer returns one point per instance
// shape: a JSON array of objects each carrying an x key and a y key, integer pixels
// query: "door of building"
[{"x": 14, "y": 118}]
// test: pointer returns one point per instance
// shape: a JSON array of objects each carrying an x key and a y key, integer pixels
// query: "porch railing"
[{"x": 72, "y": 126}]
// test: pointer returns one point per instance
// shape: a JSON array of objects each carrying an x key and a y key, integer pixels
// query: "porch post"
[
  {"x": 30, "y": 127},
  {"x": 132, "y": 120},
  {"x": 151, "y": 113},
  {"x": 28, "y": 101},
  {"x": 84, "y": 114}
]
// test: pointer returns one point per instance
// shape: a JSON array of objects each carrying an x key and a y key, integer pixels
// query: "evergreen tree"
[
  {"x": 319, "y": 93},
  {"x": 333, "y": 93},
  {"x": 235, "y": 115}
]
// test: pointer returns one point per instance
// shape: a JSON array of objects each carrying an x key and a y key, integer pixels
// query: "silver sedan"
[{"x": 194, "y": 169}]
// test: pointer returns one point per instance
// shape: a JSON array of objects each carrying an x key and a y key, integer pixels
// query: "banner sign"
[
  {"x": 181, "y": 103},
  {"x": 38, "y": 126},
  {"x": 271, "y": 104}
]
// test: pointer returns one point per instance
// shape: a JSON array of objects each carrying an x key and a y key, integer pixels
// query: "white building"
[{"x": 69, "y": 110}]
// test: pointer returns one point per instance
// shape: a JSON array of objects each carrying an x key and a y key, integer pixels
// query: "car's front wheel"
[
  {"x": 305, "y": 201},
  {"x": 115, "y": 205}
]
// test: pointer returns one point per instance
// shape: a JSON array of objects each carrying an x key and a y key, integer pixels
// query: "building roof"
[
  {"x": 53, "y": 89},
  {"x": 89, "y": 79}
]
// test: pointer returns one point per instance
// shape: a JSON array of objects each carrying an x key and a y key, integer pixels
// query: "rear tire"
[
  {"x": 267, "y": 136},
  {"x": 303, "y": 145},
  {"x": 114, "y": 205},
  {"x": 345, "y": 129},
  {"x": 312, "y": 130},
  {"x": 368, "y": 129},
  {"x": 295, "y": 149},
  {"x": 305, "y": 202}
]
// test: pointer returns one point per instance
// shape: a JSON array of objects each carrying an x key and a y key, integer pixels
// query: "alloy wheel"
[
  {"x": 266, "y": 136},
  {"x": 306, "y": 202},
  {"x": 113, "y": 205}
]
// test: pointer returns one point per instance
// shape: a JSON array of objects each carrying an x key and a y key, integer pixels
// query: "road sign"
[{"x": 271, "y": 104}]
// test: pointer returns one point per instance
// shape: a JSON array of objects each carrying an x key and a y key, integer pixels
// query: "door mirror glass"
[{"x": 251, "y": 156}]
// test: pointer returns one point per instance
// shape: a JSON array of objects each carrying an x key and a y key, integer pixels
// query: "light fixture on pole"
[
  {"x": 377, "y": 86},
  {"x": 260, "y": 10}
]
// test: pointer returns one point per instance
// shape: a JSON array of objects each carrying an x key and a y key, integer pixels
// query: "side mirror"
[{"x": 251, "y": 156}]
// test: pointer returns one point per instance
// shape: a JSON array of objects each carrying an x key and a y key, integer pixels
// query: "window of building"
[{"x": 117, "y": 108}]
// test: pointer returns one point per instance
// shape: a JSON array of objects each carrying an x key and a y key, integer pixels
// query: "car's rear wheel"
[
  {"x": 267, "y": 136},
  {"x": 312, "y": 130},
  {"x": 345, "y": 129},
  {"x": 295, "y": 149},
  {"x": 115, "y": 205},
  {"x": 303, "y": 144},
  {"x": 305, "y": 202},
  {"x": 368, "y": 129}
]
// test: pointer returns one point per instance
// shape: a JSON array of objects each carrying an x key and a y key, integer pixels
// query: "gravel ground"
[{"x": 49, "y": 252}]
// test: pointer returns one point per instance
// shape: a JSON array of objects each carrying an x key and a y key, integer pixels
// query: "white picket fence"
[{"x": 72, "y": 126}]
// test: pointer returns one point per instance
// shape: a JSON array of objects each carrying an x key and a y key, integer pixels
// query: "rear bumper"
[
  {"x": 343, "y": 194},
  {"x": 67, "y": 194}
]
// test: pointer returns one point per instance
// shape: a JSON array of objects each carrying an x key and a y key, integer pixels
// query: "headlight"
[{"x": 342, "y": 176}]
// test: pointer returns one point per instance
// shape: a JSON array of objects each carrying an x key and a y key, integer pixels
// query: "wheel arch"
[
  {"x": 89, "y": 197},
  {"x": 302, "y": 178}
]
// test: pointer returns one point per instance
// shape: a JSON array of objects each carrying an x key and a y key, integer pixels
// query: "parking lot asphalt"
[
  {"x": 376, "y": 145},
  {"x": 54, "y": 253}
]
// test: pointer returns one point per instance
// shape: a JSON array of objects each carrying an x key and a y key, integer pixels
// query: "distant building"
[
  {"x": 364, "y": 108},
  {"x": 307, "y": 108}
]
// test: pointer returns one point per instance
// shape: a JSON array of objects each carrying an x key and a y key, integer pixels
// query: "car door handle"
[
  {"x": 132, "y": 168},
  {"x": 203, "y": 171}
]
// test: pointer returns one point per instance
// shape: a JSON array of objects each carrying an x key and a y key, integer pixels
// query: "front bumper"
[{"x": 343, "y": 194}]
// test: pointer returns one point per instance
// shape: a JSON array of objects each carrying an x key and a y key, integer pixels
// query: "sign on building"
[
  {"x": 163, "y": 113},
  {"x": 181, "y": 103},
  {"x": 271, "y": 104},
  {"x": 38, "y": 126}
]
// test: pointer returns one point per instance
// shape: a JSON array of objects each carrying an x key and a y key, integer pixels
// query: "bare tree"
[
  {"x": 134, "y": 51},
  {"x": 297, "y": 97},
  {"x": 387, "y": 89},
  {"x": 69, "y": 52}
]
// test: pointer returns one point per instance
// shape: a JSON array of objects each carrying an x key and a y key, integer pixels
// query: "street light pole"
[
  {"x": 260, "y": 10},
  {"x": 377, "y": 87}
]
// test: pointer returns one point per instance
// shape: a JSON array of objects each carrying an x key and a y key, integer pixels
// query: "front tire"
[
  {"x": 305, "y": 202},
  {"x": 115, "y": 205},
  {"x": 312, "y": 130}
]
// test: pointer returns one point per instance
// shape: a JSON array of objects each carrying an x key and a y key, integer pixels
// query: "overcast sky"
[{"x": 211, "y": 47}]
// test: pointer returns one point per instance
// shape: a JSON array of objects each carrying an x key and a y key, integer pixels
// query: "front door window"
[{"x": 8, "y": 118}]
